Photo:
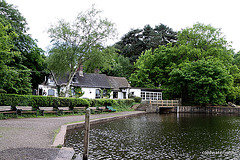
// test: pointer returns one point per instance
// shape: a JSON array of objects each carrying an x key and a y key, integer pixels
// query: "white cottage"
[
  {"x": 95, "y": 85},
  {"x": 92, "y": 84}
]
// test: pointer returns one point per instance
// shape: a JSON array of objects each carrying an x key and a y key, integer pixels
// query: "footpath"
[{"x": 32, "y": 138}]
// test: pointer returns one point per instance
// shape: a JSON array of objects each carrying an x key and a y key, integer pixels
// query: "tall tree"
[
  {"x": 207, "y": 42},
  {"x": 11, "y": 79},
  {"x": 32, "y": 56},
  {"x": 119, "y": 66},
  {"x": 76, "y": 42},
  {"x": 137, "y": 41},
  {"x": 202, "y": 82},
  {"x": 200, "y": 43},
  {"x": 101, "y": 60}
]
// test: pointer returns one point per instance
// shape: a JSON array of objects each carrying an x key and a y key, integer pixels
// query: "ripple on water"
[{"x": 155, "y": 136}]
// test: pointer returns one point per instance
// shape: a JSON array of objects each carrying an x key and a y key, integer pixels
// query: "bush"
[
  {"x": 137, "y": 99},
  {"x": 103, "y": 102},
  {"x": 3, "y": 91},
  {"x": 125, "y": 102},
  {"x": 46, "y": 101},
  {"x": 43, "y": 101}
]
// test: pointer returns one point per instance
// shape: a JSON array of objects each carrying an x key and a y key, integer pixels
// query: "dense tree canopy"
[
  {"x": 201, "y": 82},
  {"x": 11, "y": 79},
  {"x": 31, "y": 56},
  {"x": 180, "y": 69},
  {"x": 196, "y": 64},
  {"x": 101, "y": 60},
  {"x": 119, "y": 66},
  {"x": 137, "y": 41}
]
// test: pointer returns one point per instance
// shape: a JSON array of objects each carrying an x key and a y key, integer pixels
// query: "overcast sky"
[{"x": 132, "y": 14}]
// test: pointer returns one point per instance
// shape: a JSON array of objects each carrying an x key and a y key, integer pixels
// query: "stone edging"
[{"x": 59, "y": 139}]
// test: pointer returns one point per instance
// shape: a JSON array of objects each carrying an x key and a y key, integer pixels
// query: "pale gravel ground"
[{"x": 31, "y": 138}]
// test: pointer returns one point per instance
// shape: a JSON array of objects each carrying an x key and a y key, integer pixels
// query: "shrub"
[
  {"x": 137, "y": 99},
  {"x": 103, "y": 102},
  {"x": 125, "y": 102},
  {"x": 3, "y": 91},
  {"x": 43, "y": 101},
  {"x": 46, "y": 101}
]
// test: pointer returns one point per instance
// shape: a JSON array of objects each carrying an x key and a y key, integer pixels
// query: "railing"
[{"x": 163, "y": 103}]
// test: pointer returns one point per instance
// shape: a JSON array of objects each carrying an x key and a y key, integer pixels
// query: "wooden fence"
[{"x": 163, "y": 103}]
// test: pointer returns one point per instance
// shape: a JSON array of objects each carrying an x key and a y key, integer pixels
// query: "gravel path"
[{"x": 31, "y": 138}]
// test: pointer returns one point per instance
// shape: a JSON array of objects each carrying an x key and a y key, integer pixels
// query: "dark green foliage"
[
  {"x": 119, "y": 66},
  {"x": 197, "y": 69},
  {"x": 41, "y": 101},
  {"x": 124, "y": 104},
  {"x": 103, "y": 102},
  {"x": 119, "y": 105},
  {"x": 78, "y": 92},
  {"x": 28, "y": 56},
  {"x": 12, "y": 77},
  {"x": 127, "y": 102},
  {"x": 137, "y": 99},
  {"x": 7, "y": 116},
  {"x": 202, "y": 82},
  {"x": 3, "y": 91},
  {"x": 137, "y": 41},
  {"x": 46, "y": 101}
]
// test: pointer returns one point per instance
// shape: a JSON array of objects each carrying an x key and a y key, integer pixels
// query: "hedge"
[
  {"x": 110, "y": 102},
  {"x": 47, "y": 101},
  {"x": 37, "y": 101}
]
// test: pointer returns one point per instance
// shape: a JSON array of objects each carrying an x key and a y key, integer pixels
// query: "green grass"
[{"x": 56, "y": 132}]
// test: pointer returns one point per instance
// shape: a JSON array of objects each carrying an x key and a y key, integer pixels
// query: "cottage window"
[
  {"x": 124, "y": 95},
  {"x": 115, "y": 94},
  {"x": 98, "y": 93},
  {"x": 145, "y": 95},
  {"x": 51, "y": 92},
  {"x": 51, "y": 80},
  {"x": 104, "y": 93},
  {"x": 40, "y": 91}
]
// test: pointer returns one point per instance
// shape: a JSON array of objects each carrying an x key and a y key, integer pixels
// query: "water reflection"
[{"x": 165, "y": 136}]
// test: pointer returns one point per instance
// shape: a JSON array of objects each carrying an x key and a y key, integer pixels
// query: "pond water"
[{"x": 162, "y": 136}]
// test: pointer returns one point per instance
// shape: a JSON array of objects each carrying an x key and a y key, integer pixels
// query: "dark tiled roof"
[
  {"x": 93, "y": 80},
  {"x": 118, "y": 82},
  {"x": 88, "y": 80},
  {"x": 61, "y": 79}
]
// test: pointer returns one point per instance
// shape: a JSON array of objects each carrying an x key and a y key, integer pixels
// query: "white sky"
[{"x": 128, "y": 14}]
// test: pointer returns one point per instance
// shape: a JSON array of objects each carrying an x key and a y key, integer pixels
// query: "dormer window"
[{"x": 51, "y": 80}]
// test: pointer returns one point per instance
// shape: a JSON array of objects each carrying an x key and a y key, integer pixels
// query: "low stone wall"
[
  {"x": 212, "y": 109},
  {"x": 144, "y": 107},
  {"x": 190, "y": 109}
]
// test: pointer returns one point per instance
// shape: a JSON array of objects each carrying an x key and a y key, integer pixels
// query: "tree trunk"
[
  {"x": 71, "y": 75},
  {"x": 69, "y": 83}
]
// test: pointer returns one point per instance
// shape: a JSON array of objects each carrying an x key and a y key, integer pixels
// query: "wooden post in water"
[{"x": 86, "y": 134}]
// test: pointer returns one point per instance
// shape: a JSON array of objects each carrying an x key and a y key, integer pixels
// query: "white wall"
[
  {"x": 46, "y": 88},
  {"x": 89, "y": 93},
  {"x": 137, "y": 92}
]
